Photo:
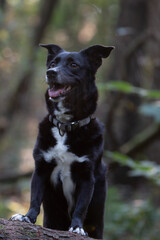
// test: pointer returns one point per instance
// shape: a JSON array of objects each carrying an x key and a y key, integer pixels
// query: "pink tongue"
[{"x": 55, "y": 93}]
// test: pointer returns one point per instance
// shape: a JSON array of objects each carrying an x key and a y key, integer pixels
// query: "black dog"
[{"x": 70, "y": 177}]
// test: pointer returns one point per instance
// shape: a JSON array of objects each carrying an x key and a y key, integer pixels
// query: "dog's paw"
[
  {"x": 21, "y": 218},
  {"x": 78, "y": 230}
]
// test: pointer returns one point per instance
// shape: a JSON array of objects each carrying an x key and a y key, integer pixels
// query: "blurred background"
[{"x": 129, "y": 101}]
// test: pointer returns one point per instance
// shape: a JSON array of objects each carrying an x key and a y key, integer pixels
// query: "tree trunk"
[
  {"x": 18, "y": 98},
  {"x": 2, "y": 4},
  {"x": 122, "y": 117},
  {"x": 16, "y": 101},
  {"x": 14, "y": 230},
  {"x": 123, "y": 120},
  {"x": 138, "y": 62},
  {"x": 154, "y": 43}
]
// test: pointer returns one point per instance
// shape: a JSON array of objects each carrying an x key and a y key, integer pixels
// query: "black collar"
[{"x": 69, "y": 126}]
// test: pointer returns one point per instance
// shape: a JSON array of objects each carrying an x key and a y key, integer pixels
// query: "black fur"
[{"x": 75, "y": 69}]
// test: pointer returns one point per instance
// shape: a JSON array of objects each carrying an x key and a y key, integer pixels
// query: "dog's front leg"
[
  {"x": 37, "y": 190},
  {"x": 84, "y": 197}
]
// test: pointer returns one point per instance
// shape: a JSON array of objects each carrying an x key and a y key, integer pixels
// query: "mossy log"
[{"x": 14, "y": 230}]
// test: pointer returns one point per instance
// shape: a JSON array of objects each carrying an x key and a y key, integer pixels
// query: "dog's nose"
[{"x": 51, "y": 73}]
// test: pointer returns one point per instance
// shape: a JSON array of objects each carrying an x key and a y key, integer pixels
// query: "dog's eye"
[
  {"x": 52, "y": 65},
  {"x": 74, "y": 65}
]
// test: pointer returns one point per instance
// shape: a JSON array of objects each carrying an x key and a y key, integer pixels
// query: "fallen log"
[{"x": 14, "y": 230}]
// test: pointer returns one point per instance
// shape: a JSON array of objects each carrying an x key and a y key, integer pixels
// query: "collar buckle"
[
  {"x": 74, "y": 125},
  {"x": 70, "y": 126}
]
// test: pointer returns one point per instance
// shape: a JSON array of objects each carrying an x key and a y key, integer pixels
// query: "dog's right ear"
[{"x": 53, "y": 50}]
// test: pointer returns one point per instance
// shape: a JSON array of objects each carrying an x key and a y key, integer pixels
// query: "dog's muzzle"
[
  {"x": 51, "y": 73},
  {"x": 56, "y": 89}
]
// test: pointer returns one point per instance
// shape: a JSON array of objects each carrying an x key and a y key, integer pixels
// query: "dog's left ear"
[
  {"x": 53, "y": 50},
  {"x": 96, "y": 53}
]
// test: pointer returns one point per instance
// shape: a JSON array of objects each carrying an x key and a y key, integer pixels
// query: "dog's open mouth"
[{"x": 58, "y": 90}]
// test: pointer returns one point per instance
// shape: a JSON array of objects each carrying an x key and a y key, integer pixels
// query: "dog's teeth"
[{"x": 68, "y": 88}]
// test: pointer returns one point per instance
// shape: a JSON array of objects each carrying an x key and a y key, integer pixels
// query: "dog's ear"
[
  {"x": 96, "y": 53},
  {"x": 53, "y": 50}
]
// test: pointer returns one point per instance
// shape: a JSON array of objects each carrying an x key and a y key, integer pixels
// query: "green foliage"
[
  {"x": 4, "y": 209},
  {"x": 125, "y": 87},
  {"x": 147, "y": 169},
  {"x": 136, "y": 220}
]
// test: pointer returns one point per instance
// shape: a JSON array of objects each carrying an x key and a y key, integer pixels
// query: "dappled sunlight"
[
  {"x": 8, "y": 59},
  {"x": 61, "y": 37},
  {"x": 138, "y": 202},
  {"x": 27, "y": 162},
  {"x": 17, "y": 207},
  {"x": 4, "y": 35},
  {"x": 21, "y": 206},
  {"x": 32, "y": 127},
  {"x": 87, "y": 32}
]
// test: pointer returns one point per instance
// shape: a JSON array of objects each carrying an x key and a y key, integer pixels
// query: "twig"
[
  {"x": 140, "y": 140},
  {"x": 13, "y": 177}
]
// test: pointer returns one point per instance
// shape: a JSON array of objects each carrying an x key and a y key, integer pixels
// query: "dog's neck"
[
  {"x": 61, "y": 113},
  {"x": 64, "y": 121}
]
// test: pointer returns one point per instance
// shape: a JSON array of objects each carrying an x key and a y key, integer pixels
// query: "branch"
[
  {"x": 14, "y": 176},
  {"x": 140, "y": 140},
  {"x": 112, "y": 142},
  {"x": 137, "y": 43},
  {"x": 14, "y": 230},
  {"x": 46, "y": 12}
]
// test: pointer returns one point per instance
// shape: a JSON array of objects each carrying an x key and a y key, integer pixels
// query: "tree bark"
[
  {"x": 129, "y": 42},
  {"x": 14, "y": 230},
  {"x": 17, "y": 99},
  {"x": 2, "y": 4},
  {"x": 46, "y": 12}
]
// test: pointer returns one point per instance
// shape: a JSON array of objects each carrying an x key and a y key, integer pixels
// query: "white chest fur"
[{"x": 64, "y": 159}]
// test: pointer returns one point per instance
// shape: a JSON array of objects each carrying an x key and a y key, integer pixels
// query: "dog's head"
[{"x": 71, "y": 77}]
